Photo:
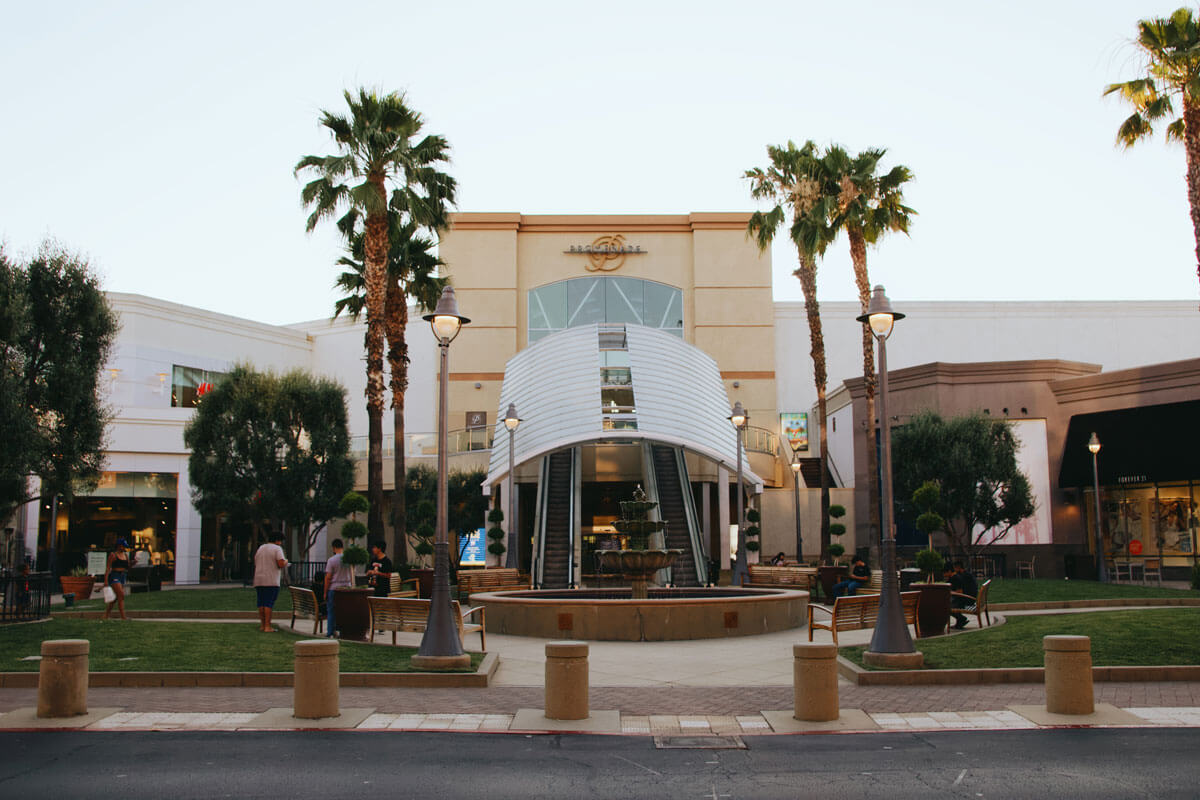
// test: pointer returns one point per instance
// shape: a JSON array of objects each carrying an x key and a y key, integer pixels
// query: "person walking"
[
  {"x": 269, "y": 563},
  {"x": 337, "y": 576},
  {"x": 116, "y": 572}
]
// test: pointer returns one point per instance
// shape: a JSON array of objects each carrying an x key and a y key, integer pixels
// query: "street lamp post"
[
  {"x": 739, "y": 418},
  {"x": 795, "y": 465},
  {"x": 891, "y": 644},
  {"x": 441, "y": 647},
  {"x": 1094, "y": 447},
  {"x": 511, "y": 421}
]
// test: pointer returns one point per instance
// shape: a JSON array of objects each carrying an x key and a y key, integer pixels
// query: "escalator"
[
  {"x": 556, "y": 513},
  {"x": 676, "y": 508}
]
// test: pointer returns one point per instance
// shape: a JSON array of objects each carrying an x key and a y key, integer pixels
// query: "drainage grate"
[{"x": 699, "y": 743}]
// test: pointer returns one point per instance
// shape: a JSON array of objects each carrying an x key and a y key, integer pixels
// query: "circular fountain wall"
[{"x": 666, "y": 615}]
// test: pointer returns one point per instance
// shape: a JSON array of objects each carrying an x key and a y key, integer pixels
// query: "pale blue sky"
[{"x": 160, "y": 138}]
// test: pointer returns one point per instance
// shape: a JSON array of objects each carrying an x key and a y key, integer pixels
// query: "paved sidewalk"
[{"x": 717, "y": 686}]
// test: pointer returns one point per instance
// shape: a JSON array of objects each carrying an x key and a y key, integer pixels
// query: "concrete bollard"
[
  {"x": 815, "y": 682},
  {"x": 1069, "y": 675},
  {"x": 567, "y": 680},
  {"x": 316, "y": 683},
  {"x": 63, "y": 678}
]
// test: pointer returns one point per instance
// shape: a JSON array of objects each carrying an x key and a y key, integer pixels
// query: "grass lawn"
[
  {"x": 1146, "y": 637},
  {"x": 1032, "y": 590},
  {"x": 235, "y": 598},
  {"x": 141, "y": 646}
]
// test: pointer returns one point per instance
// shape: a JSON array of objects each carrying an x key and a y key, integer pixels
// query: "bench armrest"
[
  {"x": 970, "y": 597},
  {"x": 818, "y": 607},
  {"x": 469, "y": 611}
]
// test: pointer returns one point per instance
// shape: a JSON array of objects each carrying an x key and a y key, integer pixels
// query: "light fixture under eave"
[
  {"x": 511, "y": 420},
  {"x": 738, "y": 415}
]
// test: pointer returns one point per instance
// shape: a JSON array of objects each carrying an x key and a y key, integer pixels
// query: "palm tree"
[
  {"x": 793, "y": 183},
  {"x": 412, "y": 272},
  {"x": 376, "y": 150},
  {"x": 1171, "y": 48},
  {"x": 868, "y": 206}
]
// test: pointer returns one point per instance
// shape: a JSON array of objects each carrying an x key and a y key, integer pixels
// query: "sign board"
[
  {"x": 1135, "y": 547},
  {"x": 476, "y": 420},
  {"x": 97, "y": 561},
  {"x": 794, "y": 426},
  {"x": 474, "y": 549}
]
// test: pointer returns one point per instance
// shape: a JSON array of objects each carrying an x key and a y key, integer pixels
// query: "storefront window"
[{"x": 190, "y": 384}]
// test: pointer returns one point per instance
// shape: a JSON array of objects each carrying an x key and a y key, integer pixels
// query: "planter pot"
[
  {"x": 352, "y": 613},
  {"x": 828, "y": 575},
  {"x": 424, "y": 582},
  {"x": 933, "y": 614},
  {"x": 81, "y": 587}
]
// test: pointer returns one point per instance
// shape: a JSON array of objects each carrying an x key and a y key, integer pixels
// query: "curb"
[
  {"x": 1110, "y": 603},
  {"x": 974, "y": 677},
  {"x": 481, "y": 678}
]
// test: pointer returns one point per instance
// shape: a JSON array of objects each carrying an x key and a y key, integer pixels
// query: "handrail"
[{"x": 761, "y": 440}]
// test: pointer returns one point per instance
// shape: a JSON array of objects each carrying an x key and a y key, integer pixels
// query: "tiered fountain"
[{"x": 639, "y": 561}]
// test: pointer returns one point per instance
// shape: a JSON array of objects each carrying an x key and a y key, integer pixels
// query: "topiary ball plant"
[
  {"x": 837, "y": 551},
  {"x": 352, "y": 504},
  {"x": 931, "y": 564}
]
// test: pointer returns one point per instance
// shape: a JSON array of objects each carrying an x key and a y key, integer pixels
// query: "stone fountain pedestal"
[{"x": 638, "y": 566}]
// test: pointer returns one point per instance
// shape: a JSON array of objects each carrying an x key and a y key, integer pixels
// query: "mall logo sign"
[{"x": 606, "y": 253}]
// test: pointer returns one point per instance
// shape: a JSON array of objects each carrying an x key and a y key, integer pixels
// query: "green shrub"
[
  {"x": 1196, "y": 576},
  {"x": 836, "y": 529},
  {"x": 837, "y": 511},
  {"x": 836, "y": 550},
  {"x": 931, "y": 564},
  {"x": 752, "y": 546},
  {"x": 496, "y": 533},
  {"x": 355, "y": 555},
  {"x": 495, "y": 515},
  {"x": 353, "y": 529},
  {"x": 752, "y": 515},
  {"x": 497, "y": 548}
]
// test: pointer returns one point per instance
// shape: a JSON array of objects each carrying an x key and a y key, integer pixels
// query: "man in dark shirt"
[
  {"x": 379, "y": 570},
  {"x": 860, "y": 574},
  {"x": 961, "y": 582}
]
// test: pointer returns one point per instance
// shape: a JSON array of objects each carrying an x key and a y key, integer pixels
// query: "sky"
[{"x": 159, "y": 138}]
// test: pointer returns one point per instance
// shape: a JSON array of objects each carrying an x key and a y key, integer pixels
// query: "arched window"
[{"x": 586, "y": 301}]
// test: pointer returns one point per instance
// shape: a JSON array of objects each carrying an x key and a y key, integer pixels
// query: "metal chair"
[
  {"x": 1119, "y": 569},
  {"x": 1025, "y": 568},
  {"x": 1152, "y": 566}
]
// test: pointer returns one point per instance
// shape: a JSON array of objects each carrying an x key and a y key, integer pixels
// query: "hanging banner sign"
[{"x": 794, "y": 425}]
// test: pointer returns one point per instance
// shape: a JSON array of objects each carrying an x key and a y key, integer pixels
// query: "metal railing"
[
  {"x": 25, "y": 597},
  {"x": 761, "y": 440},
  {"x": 462, "y": 440}
]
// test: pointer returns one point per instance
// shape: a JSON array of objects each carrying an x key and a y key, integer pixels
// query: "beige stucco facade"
[{"x": 495, "y": 260}]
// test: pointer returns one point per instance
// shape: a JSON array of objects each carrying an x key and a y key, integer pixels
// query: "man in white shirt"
[
  {"x": 269, "y": 562},
  {"x": 337, "y": 576}
]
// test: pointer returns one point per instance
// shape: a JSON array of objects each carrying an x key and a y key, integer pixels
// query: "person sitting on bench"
[{"x": 860, "y": 574}]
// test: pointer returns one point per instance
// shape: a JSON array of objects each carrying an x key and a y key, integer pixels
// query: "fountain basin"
[{"x": 666, "y": 615}]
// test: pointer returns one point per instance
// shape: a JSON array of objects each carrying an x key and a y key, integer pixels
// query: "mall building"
[{"x": 623, "y": 342}]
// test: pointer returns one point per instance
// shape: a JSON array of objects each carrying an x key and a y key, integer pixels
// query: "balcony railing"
[
  {"x": 761, "y": 440},
  {"x": 462, "y": 440}
]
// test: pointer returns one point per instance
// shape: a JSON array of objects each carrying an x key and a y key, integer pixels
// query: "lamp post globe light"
[
  {"x": 511, "y": 421},
  {"x": 1094, "y": 448},
  {"x": 440, "y": 646},
  {"x": 740, "y": 418},
  {"x": 891, "y": 644},
  {"x": 795, "y": 465}
]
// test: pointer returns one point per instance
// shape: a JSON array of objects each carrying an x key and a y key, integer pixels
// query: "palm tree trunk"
[
  {"x": 858, "y": 254},
  {"x": 807, "y": 273},
  {"x": 1191, "y": 143},
  {"x": 375, "y": 282},
  {"x": 397, "y": 320}
]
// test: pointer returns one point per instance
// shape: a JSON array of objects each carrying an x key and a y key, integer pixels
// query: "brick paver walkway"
[{"x": 728, "y": 701}]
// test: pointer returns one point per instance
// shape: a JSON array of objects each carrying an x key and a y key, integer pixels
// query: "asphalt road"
[{"x": 1084, "y": 763}]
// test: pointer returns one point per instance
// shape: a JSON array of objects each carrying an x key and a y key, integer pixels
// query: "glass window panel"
[
  {"x": 189, "y": 384},
  {"x": 585, "y": 302},
  {"x": 548, "y": 307},
  {"x": 615, "y": 376},
  {"x": 614, "y": 358},
  {"x": 618, "y": 397},
  {"x": 664, "y": 307},
  {"x": 623, "y": 300}
]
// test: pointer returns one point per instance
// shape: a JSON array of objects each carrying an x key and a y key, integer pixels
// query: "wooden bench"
[
  {"x": 497, "y": 579},
  {"x": 857, "y": 612},
  {"x": 305, "y": 606},
  {"x": 409, "y": 614},
  {"x": 396, "y": 587},
  {"x": 977, "y": 605},
  {"x": 765, "y": 576}
]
